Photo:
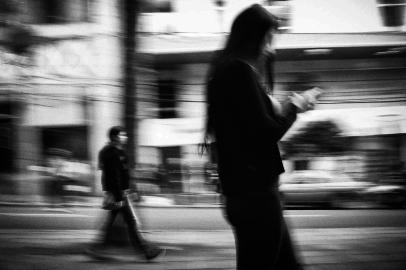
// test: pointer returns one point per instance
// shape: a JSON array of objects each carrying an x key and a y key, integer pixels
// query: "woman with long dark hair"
[{"x": 247, "y": 126}]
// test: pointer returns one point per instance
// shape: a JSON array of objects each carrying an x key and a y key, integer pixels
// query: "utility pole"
[
  {"x": 128, "y": 12},
  {"x": 130, "y": 15},
  {"x": 220, "y": 7},
  {"x": 18, "y": 39}
]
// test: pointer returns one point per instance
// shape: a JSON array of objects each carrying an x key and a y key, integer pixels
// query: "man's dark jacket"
[
  {"x": 115, "y": 174},
  {"x": 246, "y": 129}
]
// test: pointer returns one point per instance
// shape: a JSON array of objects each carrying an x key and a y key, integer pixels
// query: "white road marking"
[
  {"x": 296, "y": 215},
  {"x": 67, "y": 214},
  {"x": 44, "y": 214}
]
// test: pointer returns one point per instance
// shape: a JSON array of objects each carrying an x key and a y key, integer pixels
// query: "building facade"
[
  {"x": 355, "y": 55},
  {"x": 65, "y": 91},
  {"x": 68, "y": 91}
]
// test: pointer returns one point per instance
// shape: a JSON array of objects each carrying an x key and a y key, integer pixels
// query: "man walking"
[{"x": 115, "y": 183}]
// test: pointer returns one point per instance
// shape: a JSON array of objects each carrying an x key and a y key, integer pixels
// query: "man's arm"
[
  {"x": 109, "y": 163},
  {"x": 116, "y": 173},
  {"x": 101, "y": 166}
]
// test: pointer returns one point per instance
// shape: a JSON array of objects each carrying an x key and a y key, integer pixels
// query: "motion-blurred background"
[
  {"x": 71, "y": 69},
  {"x": 62, "y": 85}
]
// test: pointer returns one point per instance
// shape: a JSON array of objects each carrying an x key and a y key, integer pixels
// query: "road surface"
[{"x": 183, "y": 218}]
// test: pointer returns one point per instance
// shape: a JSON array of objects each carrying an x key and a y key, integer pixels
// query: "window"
[
  {"x": 7, "y": 138},
  {"x": 300, "y": 165},
  {"x": 58, "y": 12},
  {"x": 272, "y": 2},
  {"x": 167, "y": 98},
  {"x": 151, "y": 6},
  {"x": 70, "y": 138},
  {"x": 313, "y": 180}
]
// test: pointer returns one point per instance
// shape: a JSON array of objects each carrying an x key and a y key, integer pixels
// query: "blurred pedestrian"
[
  {"x": 57, "y": 163},
  {"x": 247, "y": 126},
  {"x": 161, "y": 176},
  {"x": 115, "y": 183}
]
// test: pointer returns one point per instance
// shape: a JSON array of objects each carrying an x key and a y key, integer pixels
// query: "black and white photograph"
[{"x": 203, "y": 134}]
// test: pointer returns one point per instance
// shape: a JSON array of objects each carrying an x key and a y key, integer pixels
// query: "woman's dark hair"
[
  {"x": 248, "y": 32},
  {"x": 246, "y": 39},
  {"x": 114, "y": 131}
]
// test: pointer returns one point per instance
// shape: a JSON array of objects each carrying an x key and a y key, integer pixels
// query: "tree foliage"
[
  {"x": 317, "y": 138},
  {"x": 8, "y": 7}
]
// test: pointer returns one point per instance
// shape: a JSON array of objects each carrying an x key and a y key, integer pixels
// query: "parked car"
[
  {"x": 386, "y": 195},
  {"x": 321, "y": 188}
]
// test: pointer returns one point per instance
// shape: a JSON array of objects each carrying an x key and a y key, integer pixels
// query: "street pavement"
[
  {"x": 321, "y": 249},
  {"x": 360, "y": 247},
  {"x": 163, "y": 200}
]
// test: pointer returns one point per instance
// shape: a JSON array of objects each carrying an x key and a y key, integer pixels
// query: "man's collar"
[{"x": 116, "y": 145}]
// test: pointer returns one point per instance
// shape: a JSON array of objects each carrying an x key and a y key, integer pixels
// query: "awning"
[
  {"x": 168, "y": 49},
  {"x": 369, "y": 121},
  {"x": 171, "y": 131}
]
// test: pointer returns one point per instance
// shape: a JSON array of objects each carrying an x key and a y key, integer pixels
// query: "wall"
[
  {"x": 307, "y": 16},
  {"x": 335, "y": 16},
  {"x": 74, "y": 79},
  {"x": 194, "y": 16}
]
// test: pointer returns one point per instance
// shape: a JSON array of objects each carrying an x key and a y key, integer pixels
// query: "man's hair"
[{"x": 114, "y": 131}]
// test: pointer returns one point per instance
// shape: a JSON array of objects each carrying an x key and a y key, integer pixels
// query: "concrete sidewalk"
[
  {"x": 321, "y": 249},
  {"x": 161, "y": 200},
  {"x": 158, "y": 200}
]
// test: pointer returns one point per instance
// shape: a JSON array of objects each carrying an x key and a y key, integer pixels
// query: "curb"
[
  {"x": 95, "y": 202},
  {"x": 97, "y": 205}
]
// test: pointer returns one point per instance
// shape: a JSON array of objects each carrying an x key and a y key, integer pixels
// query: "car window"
[
  {"x": 312, "y": 180},
  {"x": 341, "y": 178},
  {"x": 306, "y": 181},
  {"x": 295, "y": 180}
]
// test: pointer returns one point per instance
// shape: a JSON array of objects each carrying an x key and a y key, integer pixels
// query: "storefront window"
[
  {"x": 152, "y": 6},
  {"x": 58, "y": 12}
]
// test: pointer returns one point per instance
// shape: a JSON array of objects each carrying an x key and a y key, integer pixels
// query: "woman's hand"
[
  {"x": 307, "y": 100},
  {"x": 277, "y": 106},
  {"x": 301, "y": 103},
  {"x": 312, "y": 94}
]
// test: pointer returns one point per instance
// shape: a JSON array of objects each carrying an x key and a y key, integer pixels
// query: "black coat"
[
  {"x": 246, "y": 129},
  {"x": 115, "y": 174}
]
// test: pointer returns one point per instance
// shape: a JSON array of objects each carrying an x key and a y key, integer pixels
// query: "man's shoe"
[{"x": 154, "y": 252}]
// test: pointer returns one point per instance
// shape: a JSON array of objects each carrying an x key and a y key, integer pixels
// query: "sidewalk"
[
  {"x": 321, "y": 249},
  {"x": 161, "y": 200}
]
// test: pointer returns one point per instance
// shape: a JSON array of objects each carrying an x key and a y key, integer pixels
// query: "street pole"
[
  {"x": 220, "y": 7},
  {"x": 17, "y": 38},
  {"x": 130, "y": 14}
]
